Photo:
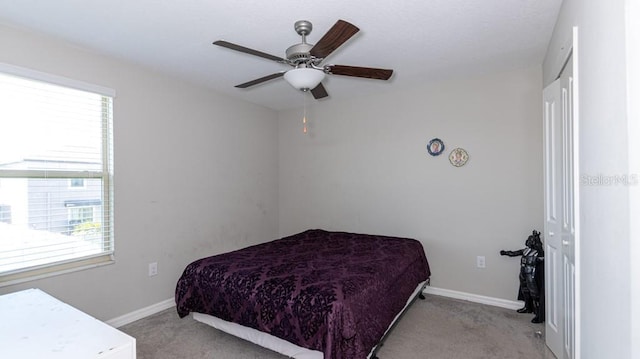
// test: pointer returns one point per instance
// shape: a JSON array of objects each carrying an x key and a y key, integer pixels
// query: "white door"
[
  {"x": 553, "y": 217},
  {"x": 560, "y": 203}
]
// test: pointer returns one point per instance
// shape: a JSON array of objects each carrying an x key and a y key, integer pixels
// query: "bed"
[{"x": 315, "y": 294}]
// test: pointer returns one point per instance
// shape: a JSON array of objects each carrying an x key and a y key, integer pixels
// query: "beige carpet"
[{"x": 435, "y": 328}]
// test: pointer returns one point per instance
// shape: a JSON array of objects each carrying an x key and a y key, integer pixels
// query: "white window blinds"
[{"x": 56, "y": 208}]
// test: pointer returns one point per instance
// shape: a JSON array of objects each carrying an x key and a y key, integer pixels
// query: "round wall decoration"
[
  {"x": 435, "y": 147},
  {"x": 458, "y": 157}
]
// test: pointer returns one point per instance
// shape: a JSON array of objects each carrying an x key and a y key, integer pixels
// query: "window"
[
  {"x": 80, "y": 215},
  {"x": 56, "y": 168},
  {"x": 76, "y": 183}
]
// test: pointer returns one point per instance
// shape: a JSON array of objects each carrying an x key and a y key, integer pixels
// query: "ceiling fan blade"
[
  {"x": 249, "y": 51},
  {"x": 355, "y": 71},
  {"x": 261, "y": 80},
  {"x": 336, "y": 36},
  {"x": 319, "y": 92}
]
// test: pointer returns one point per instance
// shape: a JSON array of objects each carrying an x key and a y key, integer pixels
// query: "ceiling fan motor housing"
[{"x": 299, "y": 53}]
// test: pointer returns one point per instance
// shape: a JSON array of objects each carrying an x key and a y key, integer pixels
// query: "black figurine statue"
[{"x": 531, "y": 276}]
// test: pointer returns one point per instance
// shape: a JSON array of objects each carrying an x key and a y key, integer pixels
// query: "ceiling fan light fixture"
[{"x": 304, "y": 78}]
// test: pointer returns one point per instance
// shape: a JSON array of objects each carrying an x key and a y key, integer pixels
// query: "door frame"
[
  {"x": 633, "y": 108},
  {"x": 576, "y": 188}
]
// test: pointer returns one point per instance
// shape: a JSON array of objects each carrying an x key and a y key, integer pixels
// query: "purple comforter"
[{"x": 334, "y": 292}]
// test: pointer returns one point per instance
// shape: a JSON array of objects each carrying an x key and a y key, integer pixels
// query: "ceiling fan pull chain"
[
  {"x": 304, "y": 113},
  {"x": 304, "y": 126}
]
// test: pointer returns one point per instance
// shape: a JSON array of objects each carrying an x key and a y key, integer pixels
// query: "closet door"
[
  {"x": 560, "y": 172},
  {"x": 568, "y": 229},
  {"x": 553, "y": 217}
]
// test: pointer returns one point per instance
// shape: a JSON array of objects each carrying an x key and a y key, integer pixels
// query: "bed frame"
[{"x": 291, "y": 350}]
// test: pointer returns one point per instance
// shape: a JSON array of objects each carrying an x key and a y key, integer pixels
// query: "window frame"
[{"x": 105, "y": 175}]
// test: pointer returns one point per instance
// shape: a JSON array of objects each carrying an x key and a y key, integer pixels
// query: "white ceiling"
[{"x": 422, "y": 40}]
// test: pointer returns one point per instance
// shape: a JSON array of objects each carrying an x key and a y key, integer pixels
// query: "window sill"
[{"x": 54, "y": 270}]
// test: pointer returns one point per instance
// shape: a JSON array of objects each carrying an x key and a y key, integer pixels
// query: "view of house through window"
[{"x": 55, "y": 175}]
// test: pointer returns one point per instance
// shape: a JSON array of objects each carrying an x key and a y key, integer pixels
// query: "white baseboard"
[
  {"x": 141, "y": 313},
  {"x": 496, "y": 302},
  {"x": 166, "y": 304}
]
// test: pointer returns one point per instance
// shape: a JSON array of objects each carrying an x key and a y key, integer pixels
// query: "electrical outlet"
[
  {"x": 480, "y": 262},
  {"x": 153, "y": 269}
]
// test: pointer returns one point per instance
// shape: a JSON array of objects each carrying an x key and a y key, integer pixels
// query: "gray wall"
[
  {"x": 195, "y": 174},
  {"x": 364, "y": 167},
  {"x": 605, "y": 221}
]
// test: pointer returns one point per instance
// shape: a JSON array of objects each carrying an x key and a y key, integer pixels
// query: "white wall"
[
  {"x": 604, "y": 150},
  {"x": 364, "y": 167},
  {"x": 195, "y": 174}
]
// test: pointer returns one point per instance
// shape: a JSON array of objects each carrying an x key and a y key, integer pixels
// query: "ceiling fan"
[{"x": 308, "y": 71}]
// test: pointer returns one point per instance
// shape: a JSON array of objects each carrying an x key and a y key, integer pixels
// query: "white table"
[{"x": 34, "y": 324}]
